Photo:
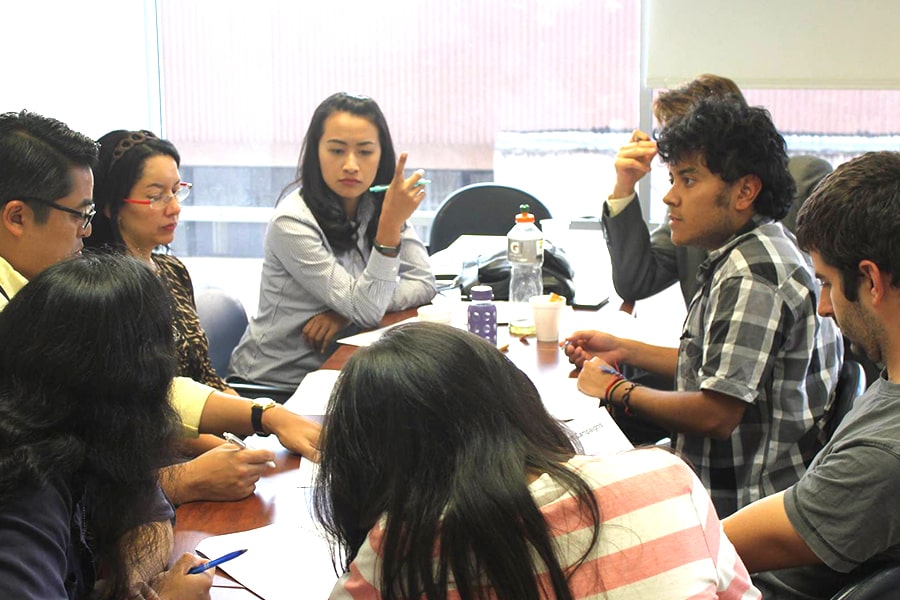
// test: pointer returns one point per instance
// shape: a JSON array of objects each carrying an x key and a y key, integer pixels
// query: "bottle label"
[{"x": 525, "y": 251}]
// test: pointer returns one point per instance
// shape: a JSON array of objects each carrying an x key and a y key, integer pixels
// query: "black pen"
[{"x": 216, "y": 562}]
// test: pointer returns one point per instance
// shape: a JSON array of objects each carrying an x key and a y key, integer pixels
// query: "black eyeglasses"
[{"x": 87, "y": 216}]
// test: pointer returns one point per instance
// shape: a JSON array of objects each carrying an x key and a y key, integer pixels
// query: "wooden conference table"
[{"x": 542, "y": 361}]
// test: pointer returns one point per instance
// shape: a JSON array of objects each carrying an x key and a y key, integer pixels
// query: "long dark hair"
[
  {"x": 122, "y": 157},
  {"x": 325, "y": 205},
  {"x": 85, "y": 368},
  {"x": 435, "y": 428}
]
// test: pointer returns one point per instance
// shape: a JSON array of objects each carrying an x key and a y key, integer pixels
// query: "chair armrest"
[{"x": 257, "y": 390}]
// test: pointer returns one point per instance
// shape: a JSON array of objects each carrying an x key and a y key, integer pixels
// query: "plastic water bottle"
[
  {"x": 525, "y": 251},
  {"x": 483, "y": 313}
]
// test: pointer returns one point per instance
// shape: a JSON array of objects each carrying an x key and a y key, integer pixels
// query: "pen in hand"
[
  {"x": 382, "y": 188},
  {"x": 243, "y": 445},
  {"x": 216, "y": 562}
]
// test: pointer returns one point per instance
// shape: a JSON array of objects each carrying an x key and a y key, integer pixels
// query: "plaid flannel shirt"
[{"x": 752, "y": 333}]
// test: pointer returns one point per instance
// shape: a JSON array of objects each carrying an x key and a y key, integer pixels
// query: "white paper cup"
[
  {"x": 547, "y": 314},
  {"x": 434, "y": 313}
]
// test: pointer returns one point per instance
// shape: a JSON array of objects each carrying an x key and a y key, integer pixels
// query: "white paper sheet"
[
  {"x": 594, "y": 427},
  {"x": 367, "y": 338},
  {"x": 283, "y": 561},
  {"x": 311, "y": 396}
]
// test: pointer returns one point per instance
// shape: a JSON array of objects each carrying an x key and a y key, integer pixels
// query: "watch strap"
[
  {"x": 259, "y": 406},
  {"x": 390, "y": 251}
]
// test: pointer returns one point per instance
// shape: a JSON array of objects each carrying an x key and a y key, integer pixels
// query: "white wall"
[
  {"x": 91, "y": 64},
  {"x": 839, "y": 44}
]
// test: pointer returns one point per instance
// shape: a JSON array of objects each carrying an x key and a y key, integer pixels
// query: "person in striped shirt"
[{"x": 443, "y": 476}]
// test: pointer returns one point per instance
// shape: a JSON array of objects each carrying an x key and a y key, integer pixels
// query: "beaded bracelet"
[{"x": 626, "y": 399}]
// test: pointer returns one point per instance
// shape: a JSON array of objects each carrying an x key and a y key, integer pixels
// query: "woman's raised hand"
[{"x": 401, "y": 200}]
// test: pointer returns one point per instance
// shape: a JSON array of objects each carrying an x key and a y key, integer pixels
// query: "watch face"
[{"x": 264, "y": 403}]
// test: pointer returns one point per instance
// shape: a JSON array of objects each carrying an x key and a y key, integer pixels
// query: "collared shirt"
[
  {"x": 11, "y": 281},
  {"x": 752, "y": 333},
  {"x": 303, "y": 276}
]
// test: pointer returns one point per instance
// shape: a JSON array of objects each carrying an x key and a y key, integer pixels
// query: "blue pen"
[
  {"x": 382, "y": 188},
  {"x": 216, "y": 562}
]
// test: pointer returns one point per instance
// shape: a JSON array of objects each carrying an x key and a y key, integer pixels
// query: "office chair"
[
  {"x": 851, "y": 383},
  {"x": 883, "y": 581},
  {"x": 480, "y": 208},
  {"x": 224, "y": 320}
]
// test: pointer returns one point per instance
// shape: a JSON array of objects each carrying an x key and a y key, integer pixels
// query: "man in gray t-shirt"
[{"x": 842, "y": 517}]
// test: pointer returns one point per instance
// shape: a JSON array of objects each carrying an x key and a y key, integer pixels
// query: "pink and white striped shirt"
[{"x": 660, "y": 536}]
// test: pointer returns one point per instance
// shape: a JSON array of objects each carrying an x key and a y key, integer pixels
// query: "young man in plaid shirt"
[{"x": 756, "y": 367}]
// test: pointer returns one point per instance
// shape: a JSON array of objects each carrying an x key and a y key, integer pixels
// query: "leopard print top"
[{"x": 190, "y": 339}]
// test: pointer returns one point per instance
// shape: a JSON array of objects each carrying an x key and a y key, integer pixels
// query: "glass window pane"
[
  {"x": 469, "y": 88},
  {"x": 835, "y": 125}
]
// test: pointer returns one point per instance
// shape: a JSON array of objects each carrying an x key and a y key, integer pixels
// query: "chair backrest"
[
  {"x": 882, "y": 582},
  {"x": 851, "y": 384},
  {"x": 224, "y": 320},
  {"x": 480, "y": 208}
]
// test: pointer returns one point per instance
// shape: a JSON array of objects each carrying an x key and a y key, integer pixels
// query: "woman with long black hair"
[
  {"x": 338, "y": 256},
  {"x": 443, "y": 476},
  {"x": 85, "y": 425}
]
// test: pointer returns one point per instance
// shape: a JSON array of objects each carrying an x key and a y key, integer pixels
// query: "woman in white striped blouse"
[{"x": 337, "y": 255}]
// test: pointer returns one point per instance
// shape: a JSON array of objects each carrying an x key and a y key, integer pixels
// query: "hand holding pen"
[
  {"x": 216, "y": 562},
  {"x": 402, "y": 198},
  {"x": 383, "y": 188},
  {"x": 597, "y": 378},
  {"x": 244, "y": 445}
]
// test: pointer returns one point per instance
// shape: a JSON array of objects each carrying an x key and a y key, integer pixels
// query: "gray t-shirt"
[{"x": 846, "y": 506}]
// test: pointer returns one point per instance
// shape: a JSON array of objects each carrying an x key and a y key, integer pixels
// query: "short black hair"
[
  {"x": 854, "y": 215},
  {"x": 37, "y": 154},
  {"x": 734, "y": 140}
]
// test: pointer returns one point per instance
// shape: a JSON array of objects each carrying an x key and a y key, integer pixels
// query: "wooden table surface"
[{"x": 541, "y": 361}]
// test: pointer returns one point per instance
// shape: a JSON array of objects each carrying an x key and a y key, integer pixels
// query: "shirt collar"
[
  {"x": 10, "y": 280},
  {"x": 716, "y": 256}
]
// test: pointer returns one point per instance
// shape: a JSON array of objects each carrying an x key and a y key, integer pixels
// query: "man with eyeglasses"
[{"x": 47, "y": 206}]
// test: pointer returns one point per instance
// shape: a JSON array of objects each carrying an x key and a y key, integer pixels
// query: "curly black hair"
[{"x": 733, "y": 140}]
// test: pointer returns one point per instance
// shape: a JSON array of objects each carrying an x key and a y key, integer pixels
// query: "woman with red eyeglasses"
[{"x": 138, "y": 193}]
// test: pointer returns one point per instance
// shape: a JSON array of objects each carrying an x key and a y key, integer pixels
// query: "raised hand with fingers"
[
  {"x": 633, "y": 162},
  {"x": 401, "y": 200}
]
